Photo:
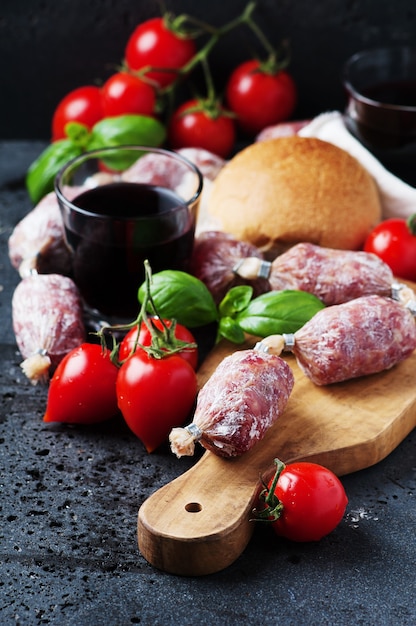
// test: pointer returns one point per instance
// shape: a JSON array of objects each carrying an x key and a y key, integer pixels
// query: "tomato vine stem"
[
  {"x": 273, "y": 506},
  {"x": 272, "y": 64},
  {"x": 164, "y": 343}
]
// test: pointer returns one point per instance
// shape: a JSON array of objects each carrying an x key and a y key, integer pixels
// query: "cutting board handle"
[{"x": 200, "y": 522}]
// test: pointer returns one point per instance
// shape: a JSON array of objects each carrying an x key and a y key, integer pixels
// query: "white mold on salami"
[
  {"x": 37, "y": 241},
  {"x": 283, "y": 129},
  {"x": 213, "y": 261},
  {"x": 333, "y": 276},
  {"x": 243, "y": 398},
  {"x": 344, "y": 341},
  {"x": 47, "y": 322},
  {"x": 209, "y": 164}
]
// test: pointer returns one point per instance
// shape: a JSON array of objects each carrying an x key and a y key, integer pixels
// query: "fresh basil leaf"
[
  {"x": 235, "y": 300},
  {"x": 277, "y": 312},
  {"x": 229, "y": 329},
  {"x": 182, "y": 297},
  {"x": 124, "y": 130},
  {"x": 41, "y": 173}
]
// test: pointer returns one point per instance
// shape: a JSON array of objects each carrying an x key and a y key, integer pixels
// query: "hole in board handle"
[{"x": 193, "y": 507}]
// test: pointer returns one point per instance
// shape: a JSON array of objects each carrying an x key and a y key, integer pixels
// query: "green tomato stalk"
[
  {"x": 273, "y": 507},
  {"x": 164, "y": 342},
  {"x": 277, "y": 58}
]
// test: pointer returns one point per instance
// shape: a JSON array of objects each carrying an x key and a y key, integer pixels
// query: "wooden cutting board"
[{"x": 200, "y": 522}]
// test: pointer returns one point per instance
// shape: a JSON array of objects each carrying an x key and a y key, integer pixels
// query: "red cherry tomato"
[
  {"x": 193, "y": 127},
  {"x": 83, "y": 387},
  {"x": 260, "y": 98},
  {"x": 145, "y": 339},
  {"x": 124, "y": 93},
  {"x": 394, "y": 241},
  {"x": 83, "y": 105},
  {"x": 155, "y": 395},
  {"x": 156, "y": 45},
  {"x": 311, "y": 499}
]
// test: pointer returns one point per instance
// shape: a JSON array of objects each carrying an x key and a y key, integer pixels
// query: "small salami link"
[
  {"x": 333, "y": 276},
  {"x": 283, "y": 129},
  {"x": 47, "y": 322},
  {"x": 37, "y": 241},
  {"x": 209, "y": 164},
  {"x": 214, "y": 257},
  {"x": 243, "y": 398},
  {"x": 344, "y": 341}
]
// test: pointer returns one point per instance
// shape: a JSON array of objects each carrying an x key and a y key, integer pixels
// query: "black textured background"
[
  {"x": 69, "y": 496},
  {"x": 68, "y": 510},
  {"x": 48, "y": 48}
]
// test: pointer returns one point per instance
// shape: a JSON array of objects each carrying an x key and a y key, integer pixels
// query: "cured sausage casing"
[
  {"x": 214, "y": 257},
  {"x": 364, "y": 336},
  {"x": 243, "y": 398},
  {"x": 47, "y": 322},
  {"x": 333, "y": 276}
]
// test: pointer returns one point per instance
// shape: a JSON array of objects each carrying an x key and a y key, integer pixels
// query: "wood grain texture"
[{"x": 200, "y": 522}]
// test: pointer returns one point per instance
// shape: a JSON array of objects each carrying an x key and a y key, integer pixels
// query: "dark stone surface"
[
  {"x": 48, "y": 48},
  {"x": 68, "y": 512}
]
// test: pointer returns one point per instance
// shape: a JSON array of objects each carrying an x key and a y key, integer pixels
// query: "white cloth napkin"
[{"x": 398, "y": 199}]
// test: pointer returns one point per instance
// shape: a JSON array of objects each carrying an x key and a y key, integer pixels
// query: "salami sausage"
[
  {"x": 160, "y": 170},
  {"x": 209, "y": 164},
  {"x": 37, "y": 241},
  {"x": 214, "y": 257},
  {"x": 363, "y": 336},
  {"x": 243, "y": 398},
  {"x": 283, "y": 129},
  {"x": 47, "y": 322},
  {"x": 333, "y": 276}
]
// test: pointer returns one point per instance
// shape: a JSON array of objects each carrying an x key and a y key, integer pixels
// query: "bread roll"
[{"x": 283, "y": 191}]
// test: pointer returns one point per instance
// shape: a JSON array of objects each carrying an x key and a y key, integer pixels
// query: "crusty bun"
[{"x": 283, "y": 191}]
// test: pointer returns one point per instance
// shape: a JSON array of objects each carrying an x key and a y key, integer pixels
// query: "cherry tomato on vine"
[
  {"x": 394, "y": 241},
  {"x": 83, "y": 105},
  {"x": 145, "y": 339},
  {"x": 124, "y": 93},
  {"x": 83, "y": 387},
  {"x": 308, "y": 500},
  {"x": 195, "y": 125},
  {"x": 155, "y": 43},
  {"x": 155, "y": 395},
  {"x": 260, "y": 97}
]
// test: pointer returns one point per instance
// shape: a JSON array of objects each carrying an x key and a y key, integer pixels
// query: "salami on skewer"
[
  {"x": 333, "y": 276},
  {"x": 47, "y": 322},
  {"x": 243, "y": 398},
  {"x": 357, "y": 338}
]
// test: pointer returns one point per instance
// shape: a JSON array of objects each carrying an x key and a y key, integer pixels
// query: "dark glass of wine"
[
  {"x": 380, "y": 86},
  {"x": 121, "y": 206}
]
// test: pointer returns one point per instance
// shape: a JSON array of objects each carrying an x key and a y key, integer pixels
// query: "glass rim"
[
  {"x": 89, "y": 154},
  {"x": 369, "y": 53}
]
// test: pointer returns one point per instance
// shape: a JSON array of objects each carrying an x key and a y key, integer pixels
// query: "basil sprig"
[
  {"x": 111, "y": 131},
  {"x": 277, "y": 312},
  {"x": 186, "y": 299},
  {"x": 41, "y": 173},
  {"x": 181, "y": 296}
]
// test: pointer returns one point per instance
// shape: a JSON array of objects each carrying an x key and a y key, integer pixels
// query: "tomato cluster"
[
  {"x": 153, "y": 394},
  {"x": 161, "y": 53}
]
